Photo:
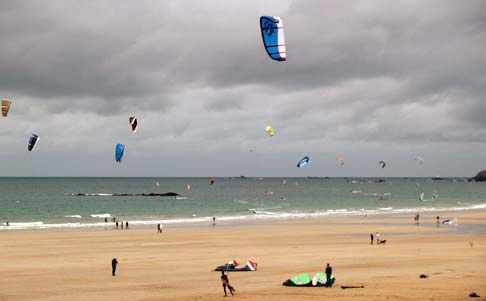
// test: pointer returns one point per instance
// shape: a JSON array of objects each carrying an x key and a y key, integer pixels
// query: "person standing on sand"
[
  {"x": 121, "y": 225},
  {"x": 214, "y": 220},
  {"x": 328, "y": 275},
  {"x": 225, "y": 281},
  {"x": 377, "y": 238},
  {"x": 371, "y": 236},
  {"x": 438, "y": 219},
  {"x": 116, "y": 225},
  {"x": 126, "y": 226},
  {"x": 158, "y": 228},
  {"x": 114, "y": 263}
]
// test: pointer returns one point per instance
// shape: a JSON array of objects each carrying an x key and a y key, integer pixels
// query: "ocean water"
[{"x": 40, "y": 203}]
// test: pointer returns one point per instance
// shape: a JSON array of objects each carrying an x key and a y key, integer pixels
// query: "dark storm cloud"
[{"x": 196, "y": 74}]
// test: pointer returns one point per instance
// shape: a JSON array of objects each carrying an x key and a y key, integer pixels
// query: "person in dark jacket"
[
  {"x": 371, "y": 236},
  {"x": 225, "y": 281},
  {"x": 328, "y": 275},
  {"x": 114, "y": 263}
]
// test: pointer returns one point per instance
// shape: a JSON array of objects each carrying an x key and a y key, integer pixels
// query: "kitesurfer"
[
  {"x": 328, "y": 275},
  {"x": 114, "y": 263},
  {"x": 225, "y": 281}
]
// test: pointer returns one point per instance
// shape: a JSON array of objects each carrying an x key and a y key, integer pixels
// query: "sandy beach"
[{"x": 176, "y": 265}]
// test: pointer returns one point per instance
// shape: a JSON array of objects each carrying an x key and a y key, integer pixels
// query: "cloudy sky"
[{"x": 366, "y": 80}]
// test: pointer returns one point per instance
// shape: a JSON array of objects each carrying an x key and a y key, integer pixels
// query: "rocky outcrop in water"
[{"x": 480, "y": 177}]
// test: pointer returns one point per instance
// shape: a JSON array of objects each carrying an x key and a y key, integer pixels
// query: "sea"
[{"x": 69, "y": 202}]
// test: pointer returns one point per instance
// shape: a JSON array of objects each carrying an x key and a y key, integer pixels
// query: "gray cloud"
[{"x": 364, "y": 79}]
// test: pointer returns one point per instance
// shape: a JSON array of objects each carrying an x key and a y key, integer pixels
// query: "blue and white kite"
[
  {"x": 303, "y": 162},
  {"x": 120, "y": 148},
  {"x": 273, "y": 37},
  {"x": 32, "y": 141}
]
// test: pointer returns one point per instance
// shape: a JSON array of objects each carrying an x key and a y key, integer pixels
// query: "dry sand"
[{"x": 176, "y": 265}]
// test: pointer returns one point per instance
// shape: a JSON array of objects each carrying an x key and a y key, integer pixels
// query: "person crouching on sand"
[{"x": 225, "y": 281}]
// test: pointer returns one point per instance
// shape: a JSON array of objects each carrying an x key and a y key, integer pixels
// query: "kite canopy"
[
  {"x": 382, "y": 163},
  {"x": 273, "y": 37},
  {"x": 303, "y": 162},
  {"x": 269, "y": 130},
  {"x": 133, "y": 123},
  {"x": 119, "y": 149},
  {"x": 420, "y": 160},
  {"x": 5, "y": 107},
  {"x": 304, "y": 280},
  {"x": 341, "y": 160},
  {"x": 32, "y": 141}
]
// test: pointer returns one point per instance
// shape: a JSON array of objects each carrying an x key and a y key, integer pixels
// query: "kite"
[
  {"x": 382, "y": 163},
  {"x": 273, "y": 37},
  {"x": 119, "y": 150},
  {"x": 133, "y": 123},
  {"x": 32, "y": 141},
  {"x": 341, "y": 160},
  {"x": 303, "y": 162},
  {"x": 269, "y": 130},
  {"x": 5, "y": 107}
]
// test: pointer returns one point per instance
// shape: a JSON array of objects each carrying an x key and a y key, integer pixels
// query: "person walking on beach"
[
  {"x": 126, "y": 226},
  {"x": 159, "y": 229},
  {"x": 225, "y": 281},
  {"x": 371, "y": 237},
  {"x": 377, "y": 235},
  {"x": 121, "y": 225},
  {"x": 328, "y": 275},
  {"x": 438, "y": 219},
  {"x": 114, "y": 263},
  {"x": 116, "y": 225}
]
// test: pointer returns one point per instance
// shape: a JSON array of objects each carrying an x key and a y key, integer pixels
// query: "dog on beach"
[{"x": 382, "y": 242}]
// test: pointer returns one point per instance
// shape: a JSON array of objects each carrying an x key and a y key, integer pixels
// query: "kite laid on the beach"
[
  {"x": 303, "y": 162},
  {"x": 5, "y": 107},
  {"x": 119, "y": 150},
  {"x": 32, "y": 141},
  {"x": 269, "y": 130},
  {"x": 231, "y": 266},
  {"x": 304, "y": 280},
  {"x": 273, "y": 37},
  {"x": 341, "y": 160},
  {"x": 382, "y": 163},
  {"x": 133, "y": 123}
]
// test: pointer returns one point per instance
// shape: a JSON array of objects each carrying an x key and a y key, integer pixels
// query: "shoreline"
[{"x": 357, "y": 218}]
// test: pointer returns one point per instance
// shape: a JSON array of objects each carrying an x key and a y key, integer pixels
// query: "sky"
[{"x": 366, "y": 80}]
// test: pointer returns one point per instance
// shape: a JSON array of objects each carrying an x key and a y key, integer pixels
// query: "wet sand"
[{"x": 176, "y": 265}]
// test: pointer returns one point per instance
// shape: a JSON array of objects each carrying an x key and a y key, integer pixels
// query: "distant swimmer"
[
  {"x": 114, "y": 263},
  {"x": 225, "y": 281}
]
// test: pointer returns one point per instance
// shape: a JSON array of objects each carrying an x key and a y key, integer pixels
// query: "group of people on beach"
[{"x": 120, "y": 225}]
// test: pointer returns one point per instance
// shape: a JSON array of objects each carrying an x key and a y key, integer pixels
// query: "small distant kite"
[
  {"x": 5, "y": 107},
  {"x": 32, "y": 142},
  {"x": 273, "y": 37},
  {"x": 420, "y": 160},
  {"x": 119, "y": 150},
  {"x": 303, "y": 162},
  {"x": 382, "y": 164},
  {"x": 341, "y": 160},
  {"x": 133, "y": 123},
  {"x": 269, "y": 130}
]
